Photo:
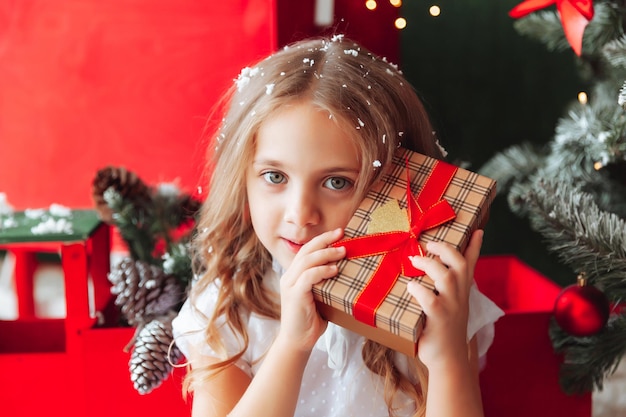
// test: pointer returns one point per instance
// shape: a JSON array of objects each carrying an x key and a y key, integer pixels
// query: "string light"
[
  {"x": 399, "y": 23},
  {"x": 582, "y": 97},
  {"x": 371, "y": 4},
  {"x": 434, "y": 10}
]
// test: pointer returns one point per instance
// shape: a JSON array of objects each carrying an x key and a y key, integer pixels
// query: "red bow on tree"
[{"x": 575, "y": 15}]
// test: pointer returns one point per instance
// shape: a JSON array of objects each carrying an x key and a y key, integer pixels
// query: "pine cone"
[
  {"x": 144, "y": 291},
  {"x": 150, "y": 363},
  {"x": 125, "y": 182}
]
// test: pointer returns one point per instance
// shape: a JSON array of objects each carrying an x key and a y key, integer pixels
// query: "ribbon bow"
[
  {"x": 426, "y": 211},
  {"x": 575, "y": 15}
]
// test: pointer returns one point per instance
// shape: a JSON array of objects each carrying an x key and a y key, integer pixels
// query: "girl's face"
[{"x": 301, "y": 180}]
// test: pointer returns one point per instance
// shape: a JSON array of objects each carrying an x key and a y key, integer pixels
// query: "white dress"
[{"x": 336, "y": 382}]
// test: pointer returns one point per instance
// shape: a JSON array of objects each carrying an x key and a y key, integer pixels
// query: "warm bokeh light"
[
  {"x": 598, "y": 166},
  {"x": 371, "y": 4},
  {"x": 396, "y": 3},
  {"x": 400, "y": 23},
  {"x": 582, "y": 97},
  {"x": 434, "y": 10}
]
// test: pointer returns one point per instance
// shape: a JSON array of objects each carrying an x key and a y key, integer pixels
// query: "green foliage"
[
  {"x": 588, "y": 361},
  {"x": 134, "y": 223},
  {"x": 584, "y": 237},
  {"x": 157, "y": 224},
  {"x": 545, "y": 26},
  {"x": 177, "y": 261},
  {"x": 150, "y": 227},
  {"x": 573, "y": 192}
]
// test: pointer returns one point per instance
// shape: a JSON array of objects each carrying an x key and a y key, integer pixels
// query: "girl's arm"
[
  {"x": 275, "y": 388},
  {"x": 218, "y": 395},
  {"x": 453, "y": 388},
  {"x": 272, "y": 392},
  {"x": 453, "y": 385}
]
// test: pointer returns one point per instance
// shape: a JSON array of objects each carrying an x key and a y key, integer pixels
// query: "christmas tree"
[{"x": 573, "y": 190}]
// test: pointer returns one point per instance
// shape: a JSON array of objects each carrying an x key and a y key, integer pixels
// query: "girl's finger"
[
  {"x": 327, "y": 256},
  {"x": 325, "y": 239},
  {"x": 447, "y": 254},
  {"x": 453, "y": 258},
  {"x": 316, "y": 275},
  {"x": 424, "y": 296},
  {"x": 443, "y": 280},
  {"x": 324, "y": 256},
  {"x": 429, "y": 265}
]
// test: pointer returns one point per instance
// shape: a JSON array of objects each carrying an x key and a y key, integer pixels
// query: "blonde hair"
[{"x": 371, "y": 100}]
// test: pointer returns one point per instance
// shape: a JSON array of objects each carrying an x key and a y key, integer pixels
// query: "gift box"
[{"x": 419, "y": 199}]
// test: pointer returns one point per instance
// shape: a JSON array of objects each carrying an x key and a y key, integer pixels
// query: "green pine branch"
[
  {"x": 177, "y": 262},
  {"x": 579, "y": 233},
  {"x": 605, "y": 26},
  {"x": 135, "y": 224},
  {"x": 588, "y": 361},
  {"x": 574, "y": 194},
  {"x": 615, "y": 52},
  {"x": 513, "y": 165},
  {"x": 145, "y": 223},
  {"x": 544, "y": 26},
  {"x": 592, "y": 241}
]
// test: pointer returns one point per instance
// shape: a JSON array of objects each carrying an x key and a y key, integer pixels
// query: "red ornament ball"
[{"x": 581, "y": 309}]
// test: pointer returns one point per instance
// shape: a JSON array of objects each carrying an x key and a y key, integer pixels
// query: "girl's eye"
[
  {"x": 274, "y": 177},
  {"x": 337, "y": 183}
]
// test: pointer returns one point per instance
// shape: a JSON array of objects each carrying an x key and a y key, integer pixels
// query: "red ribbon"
[
  {"x": 426, "y": 211},
  {"x": 575, "y": 15}
]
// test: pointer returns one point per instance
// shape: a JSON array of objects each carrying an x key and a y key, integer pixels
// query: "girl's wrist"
[
  {"x": 453, "y": 356},
  {"x": 290, "y": 345},
  {"x": 453, "y": 361}
]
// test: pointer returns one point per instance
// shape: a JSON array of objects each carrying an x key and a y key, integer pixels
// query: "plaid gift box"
[{"x": 369, "y": 295}]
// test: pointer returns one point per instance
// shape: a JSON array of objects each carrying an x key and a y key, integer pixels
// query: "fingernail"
[{"x": 414, "y": 258}]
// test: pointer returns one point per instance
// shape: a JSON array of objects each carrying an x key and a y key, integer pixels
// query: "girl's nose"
[{"x": 302, "y": 208}]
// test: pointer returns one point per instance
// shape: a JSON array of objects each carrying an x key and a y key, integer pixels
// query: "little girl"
[{"x": 307, "y": 131}]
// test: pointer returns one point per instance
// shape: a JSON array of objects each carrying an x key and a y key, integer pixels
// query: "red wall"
[{"x": 90, "y": 83}]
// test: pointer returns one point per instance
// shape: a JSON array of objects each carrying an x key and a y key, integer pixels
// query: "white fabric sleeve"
[
  {"x": 190, "y": 325},
  {"x": 483, "y": 313}
]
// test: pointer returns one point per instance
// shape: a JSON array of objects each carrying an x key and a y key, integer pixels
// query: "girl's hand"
[
  {"x": 444, "y": 337},
  {"x": 301, "y": 325}
]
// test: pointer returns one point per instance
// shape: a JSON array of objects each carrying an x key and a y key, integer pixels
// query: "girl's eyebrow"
[
  {"x": 279, "y": 164},
  {"x": 271, "y": 162},
  {"x": 342, "y": 170}
]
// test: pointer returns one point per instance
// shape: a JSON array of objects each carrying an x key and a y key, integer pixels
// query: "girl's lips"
[{"x": 293, "y": 246}]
